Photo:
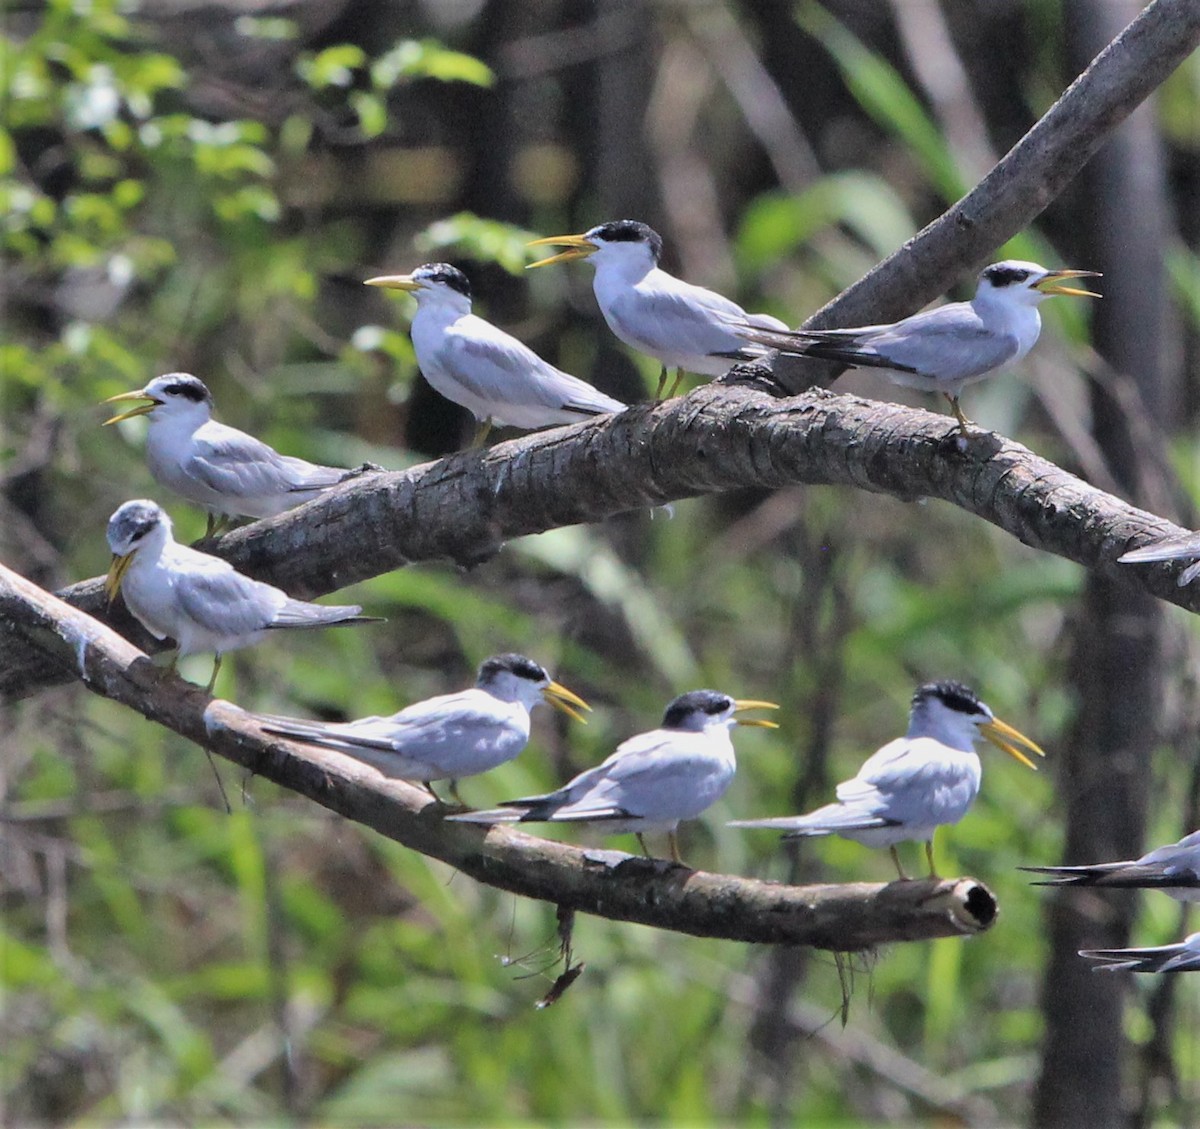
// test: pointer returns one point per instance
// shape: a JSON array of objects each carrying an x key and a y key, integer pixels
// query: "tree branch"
[
  {"x": 606, "y": 883},
  {"x": 1026, "y": 180},
  {"x": 720, "y": 437}
]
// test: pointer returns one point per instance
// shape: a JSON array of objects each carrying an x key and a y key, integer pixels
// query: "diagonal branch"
[
  {"x": 721, "y": 437},
  {"x": 608, "y": 884},
  {"x": 1021, "y": 186}
]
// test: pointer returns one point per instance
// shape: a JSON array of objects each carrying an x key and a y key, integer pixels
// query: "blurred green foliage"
[{"x": 162, "y": 960}]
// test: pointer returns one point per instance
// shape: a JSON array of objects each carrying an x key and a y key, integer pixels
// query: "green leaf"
[{"x": 426, "y": 58}]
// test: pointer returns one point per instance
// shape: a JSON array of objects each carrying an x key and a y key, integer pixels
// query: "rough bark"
[
  {"x": 606, "y": 883},
  {"x": 721, "y": 437}
]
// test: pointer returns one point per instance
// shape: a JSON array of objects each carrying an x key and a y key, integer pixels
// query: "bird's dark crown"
[
  {"x": 1004, "y": 274},
  {"x": 515, "y": 664},
  {"x": 446, "y": 275},
  {"x": 953, "y": 695},
  {"x": 629, "y": 231},
  {"x": 711, "y": 702},
  {"x": 185, "y": 385}
]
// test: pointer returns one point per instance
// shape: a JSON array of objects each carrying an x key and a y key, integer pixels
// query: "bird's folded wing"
[
  {"x": 227, "y": 603},
  {"x": 239, "y": 466},
  {"x": 959, "y": 345}
]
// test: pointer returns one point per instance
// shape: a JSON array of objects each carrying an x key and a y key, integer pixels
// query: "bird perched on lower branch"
[
  {"x": 489, "y": 372},
  {"x": 200, "y": 601},
  {"x": 944, "y": 349},
  {"x": 916, "y": 783},
  {"x": 653, "y": 780},
  {"x": 449, "y": 736}
]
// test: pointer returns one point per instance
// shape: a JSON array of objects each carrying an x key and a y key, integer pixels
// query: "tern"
[
  {"x": 1173, "y": 869},
  {"x": 229, "y": 473},
  {"x": 489, "y": 372},
  {"x": 200, "y": 601},
  {"x": 1183, "y": 956},
  {"x": 916, "y": 783},
  {"x": 1172, "y": 549},
  {"x": 682, "y": 326},
  {"x": 653, "y": 780},
  {"x": 944, "y": 349},
  {"x": 449, "y": 736}
]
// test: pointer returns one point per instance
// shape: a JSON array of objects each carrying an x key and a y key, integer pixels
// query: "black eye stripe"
[{"x": 629, "y": 231}]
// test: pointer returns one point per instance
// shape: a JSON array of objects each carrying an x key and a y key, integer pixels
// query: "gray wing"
[
  {"x": 649, "y": 776},
  {"x": 238, "y": 465},
  {"x": 225, "y": 602},
  {"x": 495, "y": 366},
  {"x": 677, "y": 318},
  {"x": 428, "y": 739},
  {"x": 949, "y": 343}
]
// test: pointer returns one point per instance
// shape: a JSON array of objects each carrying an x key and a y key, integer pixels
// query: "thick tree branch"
[
  {"x": 721, "y": 437},
  {"x": 1019, "y": 188},
  {"x": 605, "y": 883}
]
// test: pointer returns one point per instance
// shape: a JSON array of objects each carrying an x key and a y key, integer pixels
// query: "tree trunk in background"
[{"x": 1105, "y": 769}]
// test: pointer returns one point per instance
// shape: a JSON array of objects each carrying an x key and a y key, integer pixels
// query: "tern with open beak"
[
  {"x": 683, "y": 327},
  {"x": 916, "y": 783},
  {"x": 653, "y": 780},
  {"x": 224, "y": 470},
  {"x": 944, "y": 349}
]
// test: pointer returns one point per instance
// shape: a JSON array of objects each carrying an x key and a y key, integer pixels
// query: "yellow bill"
[
  {"x": 740, "y": 704},
  {"x": 116, "y": 573},
  {"x": 149, "y": 403},
  {"x": 1050, "y": 284},
  {"x": 578, "y": 248},
  {"x": 1011, "y": 741},
  {"x": 566, "y": 700},
  {"x": 394, "y": 282}
]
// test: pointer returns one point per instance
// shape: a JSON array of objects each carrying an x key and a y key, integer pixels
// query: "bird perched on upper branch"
[
  {"x": 916, "y": 783},
  {"x": 653, "y": 780},
  {"x": 944, "y": 349},
  {"x": 200, "y": 601},
  {"x": 229, "y": 473},
  {"x": 489, "y": 372},
  {"x": 684, "y": 327},
  {"x": 449, "y": 736}
]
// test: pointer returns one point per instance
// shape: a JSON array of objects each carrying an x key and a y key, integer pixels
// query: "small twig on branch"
[
  {"x": 606, "y": 883},
  {"x": 721, "y": 437},
  {"x": 1024, "y": 183}
]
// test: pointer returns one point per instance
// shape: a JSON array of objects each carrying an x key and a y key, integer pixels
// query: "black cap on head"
[
  {"x": 515, "y": 664},
  {"x": 711, "y": 702},
  {"x": 628, "y": 231},
  {"x": 445, "y": 274},
  {"x": 953, "y": 695},
  {"x": 1006, "y": 274}
]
